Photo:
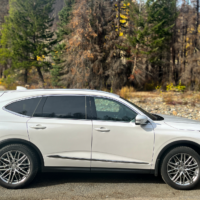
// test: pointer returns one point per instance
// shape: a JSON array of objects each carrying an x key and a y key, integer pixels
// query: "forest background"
[{"x": 102, "y": 44}]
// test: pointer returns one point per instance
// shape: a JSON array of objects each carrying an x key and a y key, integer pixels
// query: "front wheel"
[
  {"x": 180, "y": 168},
  {"x": 18, "y": 166}
]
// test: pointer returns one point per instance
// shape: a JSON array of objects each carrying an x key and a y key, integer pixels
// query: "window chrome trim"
[{"x": 97, "y": 160}]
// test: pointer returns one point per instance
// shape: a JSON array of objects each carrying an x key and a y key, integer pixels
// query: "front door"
[
  {"x": 117, "y": 141},
  {"x": 60, "y": 130}
]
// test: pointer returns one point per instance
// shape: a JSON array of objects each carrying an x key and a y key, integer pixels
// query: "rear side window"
[
  {"x": 24, "y": 107},
  {"x": 67, "y": 107}
]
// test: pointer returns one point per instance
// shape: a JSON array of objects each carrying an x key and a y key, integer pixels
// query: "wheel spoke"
[
  {"x": 195, "y": 164},
  {"x": 3, "y": 169},
  {"x": 182, "y": 157},
  {"x": 5, "y": 160},
  {"x": 187, "y": 160},
  {"x": 175, "y": 176},
  {"x": 10, "y": 174},
  {"x": 11, "y": 156},
  {"x": 171, "y": 166},
  {"x": 172, "y": 170},
  {"x": 19, "y": 160},
  {"x": 21, "y": 173},
  {"x": 13, "y": 176},
  {"x": 2, "y": 176},
  {"x": 5, "y": 165},
  {"x": 178, "y": 159}
]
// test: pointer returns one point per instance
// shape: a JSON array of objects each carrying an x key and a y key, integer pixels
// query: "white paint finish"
[
  {"x": 124, "y": 142},
  {"x": 62, "y": 137},
  {"x": 21, "y": 88},
  {"x": 165, "y": 134},
  {"x": 185, "y": 126},
  {"x": 180, "y": 120},
  {"x": 12, "y": 126},
  {"x": 1, "y": 93}
]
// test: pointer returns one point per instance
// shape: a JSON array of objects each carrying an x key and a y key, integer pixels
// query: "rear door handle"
[
  {"x": 102, "y": 129},
  {"x": 38, "y": 127}
]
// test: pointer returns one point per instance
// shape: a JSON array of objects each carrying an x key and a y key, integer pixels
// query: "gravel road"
[{"x": 50, "y": 186}]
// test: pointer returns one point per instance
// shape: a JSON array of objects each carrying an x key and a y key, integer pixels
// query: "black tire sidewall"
[
  {"x": 170, "y": 154},
  {"x": 33, "y": 165}
]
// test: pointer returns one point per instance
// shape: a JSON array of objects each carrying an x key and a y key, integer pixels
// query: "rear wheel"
[
  {"x": 180, "y": 168},
  {"x": 18, "y": 166}
]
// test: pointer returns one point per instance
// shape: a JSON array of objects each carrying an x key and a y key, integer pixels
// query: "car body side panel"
[
  {"x": 12, "y": 125},
  {"x": 165, "y": 134},
  {"x": 64, "y": 142},
  {"x": 126, "y": 145}
]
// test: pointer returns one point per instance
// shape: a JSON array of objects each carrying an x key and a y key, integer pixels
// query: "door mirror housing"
[{"x": 141, "y": 120}]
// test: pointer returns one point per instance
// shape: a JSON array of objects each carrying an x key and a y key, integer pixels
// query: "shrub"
[
  {"x": 179, "y": 88},
  {"x": 126, "y": 92}
]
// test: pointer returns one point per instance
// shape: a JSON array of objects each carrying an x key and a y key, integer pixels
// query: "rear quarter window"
[{"x": 24, "y": 107}]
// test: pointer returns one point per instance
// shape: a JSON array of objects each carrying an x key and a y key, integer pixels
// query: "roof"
[{"x": 61, "y": 91}]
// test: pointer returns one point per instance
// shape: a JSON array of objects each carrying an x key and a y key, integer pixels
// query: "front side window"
[
  {"x": 110, "y": 110},
  {"x": 24, "y": 107},
  {"x": 67, "y": 107}
]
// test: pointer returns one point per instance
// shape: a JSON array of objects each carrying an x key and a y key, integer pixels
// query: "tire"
[
  {"x": 180, "y": 168},
  {"x": 18, "y": 166}
]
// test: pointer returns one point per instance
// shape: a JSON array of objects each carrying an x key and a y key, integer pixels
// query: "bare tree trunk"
[
  {"x": 40, "y": 74},
  {"x": 135, "y": 61},
  {"x": 26, "y": 76},
  {"x": 172, "y": 75}
]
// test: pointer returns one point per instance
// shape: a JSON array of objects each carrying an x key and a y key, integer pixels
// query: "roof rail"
[{"x": 21, "y": 88}]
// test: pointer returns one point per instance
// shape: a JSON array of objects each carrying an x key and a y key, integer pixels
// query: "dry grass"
[{"x": 127, "y": 92}]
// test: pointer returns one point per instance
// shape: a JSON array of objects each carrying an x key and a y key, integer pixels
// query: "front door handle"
[
  {"x": 38, "y": 127},
  {"x": 102, "y": 129}
]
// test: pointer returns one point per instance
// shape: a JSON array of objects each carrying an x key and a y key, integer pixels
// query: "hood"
[{"x": 181, "y": 123}]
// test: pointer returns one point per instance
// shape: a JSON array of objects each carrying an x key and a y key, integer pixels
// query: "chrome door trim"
[{"x": 98, "y": 160}]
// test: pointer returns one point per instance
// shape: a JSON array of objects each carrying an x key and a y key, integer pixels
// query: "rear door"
[{"x": 60, "y": 130}]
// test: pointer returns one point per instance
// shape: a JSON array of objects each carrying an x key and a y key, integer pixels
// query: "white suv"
[{"x": 92, "y": 131}]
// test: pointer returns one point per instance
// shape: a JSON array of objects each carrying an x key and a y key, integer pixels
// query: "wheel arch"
[
  {"x": 195, "y": 146},
  {"x": 29, "y": 144}
]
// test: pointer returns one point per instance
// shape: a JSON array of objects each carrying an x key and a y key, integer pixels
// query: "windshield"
[{"x": 153, "y": 117}]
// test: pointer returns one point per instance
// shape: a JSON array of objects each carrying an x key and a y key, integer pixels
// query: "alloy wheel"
[
  {"x": 183, "y": 169},
  {"x": 14, "y": 167}
]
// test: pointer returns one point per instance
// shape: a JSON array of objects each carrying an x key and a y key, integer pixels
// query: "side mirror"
[{"x": 141, "y": 120}]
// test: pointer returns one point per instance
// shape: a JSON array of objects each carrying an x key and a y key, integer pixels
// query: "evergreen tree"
[
  {"x": 65, "y": 16},
  {"x": 27, "y": 37},
  {"x": 151, "y": 35}
]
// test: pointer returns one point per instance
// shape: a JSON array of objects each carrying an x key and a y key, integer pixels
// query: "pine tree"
[
  {"x": 26, "y": 36},
  {"x": 151, "y": 36},
  {"x": 64, "y": 18},
  {"x": 63, "y": 31}
]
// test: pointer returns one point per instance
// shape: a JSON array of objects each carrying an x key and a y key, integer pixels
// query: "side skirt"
[{"x": 96, "y": 170}]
